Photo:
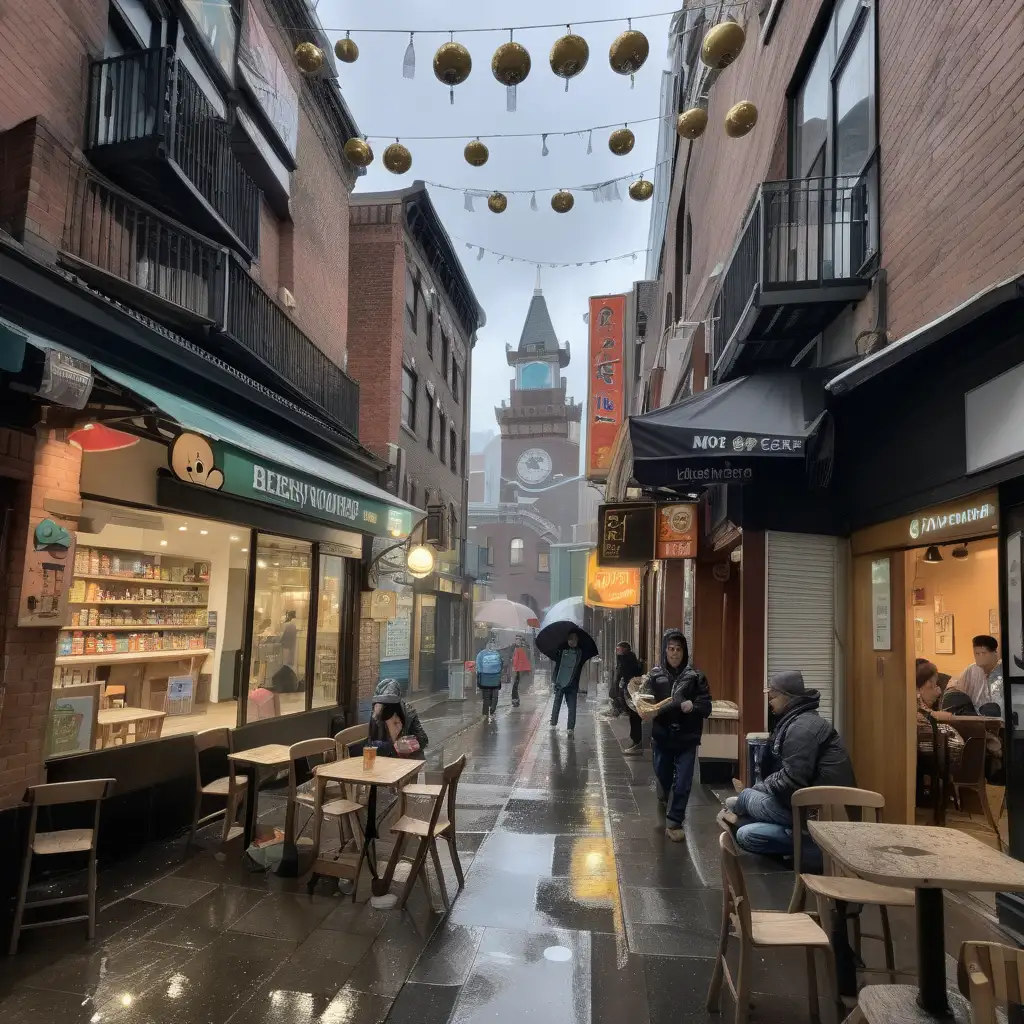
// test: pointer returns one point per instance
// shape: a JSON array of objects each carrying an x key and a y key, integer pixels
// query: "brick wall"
[{"x": 30, "y": 652}]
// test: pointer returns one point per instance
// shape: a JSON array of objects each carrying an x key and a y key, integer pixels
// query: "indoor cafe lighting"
[
  {"x": 245, "y": 551},
  {"x": 932, "y": 555},
  {"x": 203, "y": 533},
  {"x": 234, "y": 539},
  {"x": 182, "y": 529},
  {"x": 163, "y": 543}
]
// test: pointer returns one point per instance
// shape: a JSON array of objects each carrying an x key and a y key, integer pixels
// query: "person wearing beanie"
[
  {"x": 678, "y": 699},
  {"x": 803, "y": 750},
  {"x": 386, "y": 695}
]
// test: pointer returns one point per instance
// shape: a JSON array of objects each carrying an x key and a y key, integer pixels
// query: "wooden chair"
[
  {"x": 72, "y": 840},
  {"x": 968, "y": 786},
  {"x": 833, "y": 803},
  {"x": 760, "y": 930},
  {"x": 988, "y": 974},
  {"x": 440, "y": 825},
  {"x": 231, "y": 786}
]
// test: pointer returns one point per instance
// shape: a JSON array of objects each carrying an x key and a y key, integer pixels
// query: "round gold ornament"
[
  {"x": 641, "y": 190},
  {"x": 562, "y": 202},
  {"x": 621, "y": 141},
  {"x": 691, "y": 123},
  {"x": 346, "y": 51},
  {"x": 476, "y": 153},
  {"x": 569, "y": 56},
  {"x": 309, "y": 58},
  {"x": 628, "y": 53},
  {"x": 452, "y": 64},
  {"x": 358, "y": 152},
  {"x": 722, "y": 44},
  {"x": 497, "y": 202},
  {"x": 511, "y": 63},
  {"x": 397, "y": 159},
  {"x": 740, "y": 119}
]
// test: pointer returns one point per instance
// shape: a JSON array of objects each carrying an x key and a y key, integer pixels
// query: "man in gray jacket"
[{"x": 803, "y": 750}]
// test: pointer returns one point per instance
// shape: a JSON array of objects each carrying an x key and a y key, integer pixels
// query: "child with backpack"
[{"x": 490, "y": 666}]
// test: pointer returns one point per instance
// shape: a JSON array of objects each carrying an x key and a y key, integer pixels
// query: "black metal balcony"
[
  {"x": 272, "y": 341},
  {"x": 151, "y": 128},
  {"x": 799, "y": 260}
]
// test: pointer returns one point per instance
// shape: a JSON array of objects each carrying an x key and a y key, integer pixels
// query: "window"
[
  {"x": 453, "y": 450},
  {"x": 455, "y": 380},
  {"x": 441, "y": 434},
  {"x": 688, "y": 269},
  {"x": 668, "y": 311},
  {"x": 445, "y": 353},
  {"x": 489, "y": 552},
  {"x": 412, "y": 296},
  {"x": 430, "y": 426},
  {"x": 681, "y": 220},
  {"x": 543, "y": 561},
  {"x": 463, "y": 458},
  {"x": 430, "y": 330},
  {"x": 217, "y": 22},
  {"x": 409, "y": 398},
  {"x": 515, "y": 551}
]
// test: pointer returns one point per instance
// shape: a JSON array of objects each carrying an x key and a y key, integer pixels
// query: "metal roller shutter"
[{"x": 801, "y": 610}]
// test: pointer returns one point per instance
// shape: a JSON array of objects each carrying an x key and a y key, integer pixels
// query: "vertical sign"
[
  {"x": 677, "y": 531},
  {"x": 881, "y": 604},
  {"x": 606, "y": 388}
]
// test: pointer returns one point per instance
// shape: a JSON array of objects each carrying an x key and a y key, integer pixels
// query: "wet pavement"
[{"x": 576, "y": 909}]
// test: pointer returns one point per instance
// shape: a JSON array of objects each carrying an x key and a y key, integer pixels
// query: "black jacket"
[
  {"x": 627, "y": 666},
  {"x": 378, "y": 734},
  {"x": 804, "y": 750},
  {"x": 673, "y": 728}
]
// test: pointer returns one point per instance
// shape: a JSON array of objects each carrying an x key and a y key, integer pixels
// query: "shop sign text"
[{"x": 925, "y": 525}]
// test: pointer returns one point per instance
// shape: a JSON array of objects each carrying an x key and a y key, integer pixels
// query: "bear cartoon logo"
[{"x": 192, "y": 461}]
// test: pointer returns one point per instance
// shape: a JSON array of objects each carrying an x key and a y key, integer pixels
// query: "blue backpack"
[{"x": 489, "y": 663}]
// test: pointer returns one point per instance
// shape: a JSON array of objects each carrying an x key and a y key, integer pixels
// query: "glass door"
[{"x": 330, "y": 604}]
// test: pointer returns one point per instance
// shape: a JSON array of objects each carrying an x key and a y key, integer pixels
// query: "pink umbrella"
[{"x": 504, "y": 614}]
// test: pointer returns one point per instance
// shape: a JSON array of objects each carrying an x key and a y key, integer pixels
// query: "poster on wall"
[
  {"x": 944, "y": 642},
  {"x": 47, "y": 576},
  {"x": 677, "y": 531},
  {"x": 606, "y": 383},
  {"x": 73, "y": 721},
  {"x": 396, "y": 638},
  {"x": 881, "y": 605},
  {"x": 1015, "y": 608}
]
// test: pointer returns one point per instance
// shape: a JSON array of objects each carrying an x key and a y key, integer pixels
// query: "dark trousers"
[
  {"x": 675, "y": 777},
  {"x": 515, "y": 687},
  {"x": 636, "y": 727},
  {"x": 490, "y": 698},
  {"x": 570, "y": 702}
]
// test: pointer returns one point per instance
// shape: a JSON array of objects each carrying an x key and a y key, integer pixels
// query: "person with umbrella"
[
  {"x": 569, "y": 660},
  {"x": 563, "y": 639}
]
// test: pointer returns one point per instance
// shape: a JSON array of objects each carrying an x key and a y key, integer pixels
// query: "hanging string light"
[
  {"x": 510, "y": 65},
  {"x": 569, "y": 56},
  {"x": 629, "y": 52},
  {"x": 452, "y": 65},
  {"x": 621, "y": 141},
  {"x": 476, "y": 153},
  {"x": 740, "y": 119},
  {"x": 497, "y": 203},
  {"x": 397, "y": 159},
  {"x": 309, "y": 58},
  {"x": 346, "y": 49},
  {"x": 358, "y": 152},
  {"x": 691, "y": 123},
  {"x": 641, "y": 190},
  {"x": 722, "y": 44},
  {"x": 562, "y": 201}
]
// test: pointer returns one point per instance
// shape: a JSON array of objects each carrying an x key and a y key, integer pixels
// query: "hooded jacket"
[
  {"x": 673, "y": 728},
  {"x": 627, "y": 666},
  {"x": 803, "y": 750},
  {"x": 388, "y": 691}
]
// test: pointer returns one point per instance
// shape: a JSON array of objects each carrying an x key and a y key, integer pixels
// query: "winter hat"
[
  {"x": 790, "y": 683},
  {"x": 388, "y": 691}
]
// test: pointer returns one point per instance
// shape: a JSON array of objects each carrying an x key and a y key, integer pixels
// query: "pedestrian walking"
[
  {"x": 520, "y": 667},
  {"x": 628, "y": 668},
  {"x": 490, "y": 666},
  {"x": 678, "y": 700},
  {"x": 565, "y": 679}
]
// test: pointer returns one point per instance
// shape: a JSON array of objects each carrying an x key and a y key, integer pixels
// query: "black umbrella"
[{"x": 564, "y": 618}]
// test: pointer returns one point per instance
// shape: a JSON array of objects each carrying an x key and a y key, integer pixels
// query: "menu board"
[
  {"x": 73, "y": 719},
  {"x": 396, "y": 637},
  {"x": 626, "y": 533}
]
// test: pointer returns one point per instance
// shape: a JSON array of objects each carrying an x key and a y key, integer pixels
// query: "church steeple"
[{"x": 538, "y": 340}]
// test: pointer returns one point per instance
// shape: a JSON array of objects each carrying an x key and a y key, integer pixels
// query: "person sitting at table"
[
  {"x": 981, "y": 683},
  {"x": 930, "y": 725},
  {"x": 386, "y": 696},
  {"x": 391, "y": 737}
]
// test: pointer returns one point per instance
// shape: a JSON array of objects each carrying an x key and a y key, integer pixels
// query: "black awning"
[{"x": 732, "y": 433}]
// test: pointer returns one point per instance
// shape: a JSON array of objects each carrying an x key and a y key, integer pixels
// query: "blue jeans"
[
  {"x": 675, "y": 777},
  {"x": 770, "y": 833},
  {"x": 569, "y": 696}
]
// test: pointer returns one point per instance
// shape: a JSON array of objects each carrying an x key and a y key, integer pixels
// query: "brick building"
[
  {"x": 179, "y": 428},
  {"x": 413, "y": 320},
  {"x": 863, "y": 240}
]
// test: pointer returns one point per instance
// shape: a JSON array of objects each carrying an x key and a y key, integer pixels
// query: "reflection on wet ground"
[{"x": 576, "y": 909}]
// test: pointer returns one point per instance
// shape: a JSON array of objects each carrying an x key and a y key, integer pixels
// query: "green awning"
[{"x": 261, "y": 468}]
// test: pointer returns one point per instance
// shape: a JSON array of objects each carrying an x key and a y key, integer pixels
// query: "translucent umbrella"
[{"x": 503, "y": 614}]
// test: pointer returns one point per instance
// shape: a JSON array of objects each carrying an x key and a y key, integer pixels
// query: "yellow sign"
[{"x": 611, "y": 587}]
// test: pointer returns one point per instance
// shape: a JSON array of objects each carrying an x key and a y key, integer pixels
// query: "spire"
[
  {"x": 537, "y": 289},
  {"x": 538, "y": 331}
]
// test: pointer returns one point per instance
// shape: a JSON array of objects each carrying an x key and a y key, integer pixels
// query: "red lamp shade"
[{"x": 97, "y": 437}]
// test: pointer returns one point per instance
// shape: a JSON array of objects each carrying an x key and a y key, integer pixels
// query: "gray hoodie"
[{"x": 389, "y": 691}]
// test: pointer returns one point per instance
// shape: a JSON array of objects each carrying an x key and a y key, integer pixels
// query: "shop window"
[
  {"x": 329, "y": 630},
  {"x": 409, "y": 385},
  {"x": 543, "y": 561},
  {"x": 515, "y": 551},
  {"x": 280, "y": 628},
  {"x": 453, "y": 450}
]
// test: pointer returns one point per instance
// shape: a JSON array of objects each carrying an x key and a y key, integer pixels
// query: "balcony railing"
[
  {"x": 802, "y": 245},
  {"x": 255, "y": 321},
  {"x": 115, "y": 240},
  {"x": 147, "y": 100}
]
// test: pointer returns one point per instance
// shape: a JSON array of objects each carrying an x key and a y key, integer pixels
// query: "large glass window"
[
  {"x": 280, "y": 628},
  {"x": 515, "y": 553},
  {"x": 330, "y": 603},
  {"x": 409, "y": 398},
  {"x": 854, "y": 123},
  {"x": 217, "y": 22},
  {"x": 811, "y": 117}
]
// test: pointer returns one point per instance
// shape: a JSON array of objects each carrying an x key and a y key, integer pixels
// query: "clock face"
[{"x": 534, "y": 466}]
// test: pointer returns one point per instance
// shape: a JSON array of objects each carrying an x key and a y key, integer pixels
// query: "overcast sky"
[{"x": 385, "y": 103}]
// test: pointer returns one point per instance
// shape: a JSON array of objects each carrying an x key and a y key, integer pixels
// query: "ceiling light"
[
  {"x": 182, "y": 529},
  {"x": 163, "y": 543},
  {"x": 245, "y": 551},
  {"x": 203, "y": 533},
  {"x": 97, "y": 437},
  {"x": 260, "y": 564},
  {"x": 234, "y": 538},
  {"x": 959, "y": 552},
  {"x": 932, "y": 555}
]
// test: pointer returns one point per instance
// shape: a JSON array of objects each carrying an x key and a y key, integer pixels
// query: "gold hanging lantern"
[
  {"x": 452, "y": 65},
  {"x": 497, "y": 202},
  {"x": 691, "y": 123},
  {"x": 358, "y": 152},
  {"x": 309, "y": 58},
  {"x": 628, "y": 53},
  {"x": 621, "y": 141},
  {"x": 476, "y": 153},
  {"x": 511, "y": 63},
  {"x": 562, "y": 201},
  {"x": 722, "y": 44},
  {"x": 397, "y": 159},
  {"x": 641, "y": 190},
  {"x": 346, "y": 50},
  {"x": 740, "y": 119},
  {"x": 569, "y": 56}
]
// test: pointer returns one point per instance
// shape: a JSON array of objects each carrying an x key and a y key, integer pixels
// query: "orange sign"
[
  {"x": 609, "y": 587},
  {"x": 606, "y": 388},
  {"x": 677, "y": 531}
]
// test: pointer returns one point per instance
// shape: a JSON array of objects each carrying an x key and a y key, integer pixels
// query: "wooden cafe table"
[
  {"x": 928, "y": 859},
  {"x": 386, "y": 771},
  {"x": 273, "y": 756}
]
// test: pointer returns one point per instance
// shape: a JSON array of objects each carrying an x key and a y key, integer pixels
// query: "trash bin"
[
  {"x": 756, "y": 743},
  {"x": 457, "y": 671}
]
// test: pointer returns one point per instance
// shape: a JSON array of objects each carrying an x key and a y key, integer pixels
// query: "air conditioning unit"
[{"x": 396, "y": 468}]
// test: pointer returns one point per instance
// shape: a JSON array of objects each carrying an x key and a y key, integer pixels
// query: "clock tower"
[{"x": 537, "y": 499}]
